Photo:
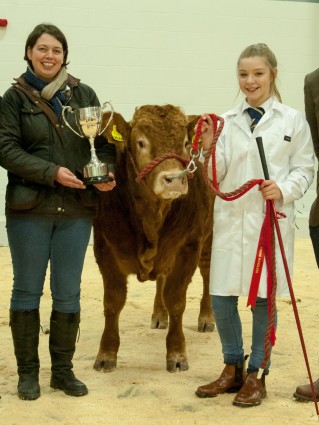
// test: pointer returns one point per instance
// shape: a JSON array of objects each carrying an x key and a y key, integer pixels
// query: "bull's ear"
[{"x": 118, "y": 130}]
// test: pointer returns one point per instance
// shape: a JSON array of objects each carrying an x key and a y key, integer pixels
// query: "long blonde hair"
[{"x": 263, "y": 51}]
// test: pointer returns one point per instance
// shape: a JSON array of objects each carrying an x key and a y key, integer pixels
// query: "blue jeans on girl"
[{"x": 229, "y": 327}]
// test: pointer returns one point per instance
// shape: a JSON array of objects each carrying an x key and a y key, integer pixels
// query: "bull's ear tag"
[
  {"x": 193, "y": 139},
  {"x": 116, "y": 135}
]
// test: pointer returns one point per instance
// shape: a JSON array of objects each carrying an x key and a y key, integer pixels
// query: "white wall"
[{"x": 180, "y": 52}]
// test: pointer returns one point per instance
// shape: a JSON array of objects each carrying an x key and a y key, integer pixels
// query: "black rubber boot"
[
  {"x": 63, "y": 332},
  {"x": 25, "y": 328}
]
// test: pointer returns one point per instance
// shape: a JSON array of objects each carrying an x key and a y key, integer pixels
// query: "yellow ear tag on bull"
[
  {"x": 193, "y": 138},
  {"x": 116, "y": 135}
]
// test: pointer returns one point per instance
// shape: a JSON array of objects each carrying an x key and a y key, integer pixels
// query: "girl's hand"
[
  {"x": 207, "y": 131},
  {"x": 270, "y": 190}
]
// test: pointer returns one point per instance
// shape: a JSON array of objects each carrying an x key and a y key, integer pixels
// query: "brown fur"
[{"x": 138, "y": 232}]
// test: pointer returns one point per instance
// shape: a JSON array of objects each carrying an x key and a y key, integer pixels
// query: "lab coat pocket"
[{"x": 226, "y": 229}]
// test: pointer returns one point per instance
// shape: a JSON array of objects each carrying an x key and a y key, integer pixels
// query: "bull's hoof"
[
  {"x": 172, "y": 366},
  {"x": 205, "y": 326},
  {"x": 105, "y": 365},
  {"x": 159, "y": 323}
]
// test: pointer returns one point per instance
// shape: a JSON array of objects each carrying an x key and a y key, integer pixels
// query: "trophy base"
[{"x": 97, "y": 179}]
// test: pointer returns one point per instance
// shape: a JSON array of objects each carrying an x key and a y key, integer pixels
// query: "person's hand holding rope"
[
  {"x": 270, "y": 190},
  {"x": 207, "y": 131}
]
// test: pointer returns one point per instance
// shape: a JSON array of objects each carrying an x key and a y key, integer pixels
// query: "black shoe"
[
  {"x": 68, "y": 383},
  {"x": 28, "y": 387}
]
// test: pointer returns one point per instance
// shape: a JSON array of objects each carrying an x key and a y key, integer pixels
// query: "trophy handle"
[
  {"x": 68, "y": 108},
  {"x": 111, "y": 116}
]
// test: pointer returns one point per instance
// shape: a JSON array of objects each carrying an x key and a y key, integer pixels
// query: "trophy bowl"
[{"x": 88, "y": 122}]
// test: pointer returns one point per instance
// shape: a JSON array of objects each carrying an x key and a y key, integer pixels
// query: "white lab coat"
[{"x": 290, "y": 159}]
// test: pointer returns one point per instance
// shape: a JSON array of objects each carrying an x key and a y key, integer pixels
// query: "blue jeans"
[
  {"x": 33, "y": 243},
  {"x": 229, "y": 327}
]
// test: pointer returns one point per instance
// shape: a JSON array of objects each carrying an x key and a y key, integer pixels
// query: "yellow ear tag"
[
  {"x": 116, "y": 135},
  {"x": 193, "y": 138}
]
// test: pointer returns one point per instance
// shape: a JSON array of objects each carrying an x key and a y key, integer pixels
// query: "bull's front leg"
[
  {"x": 115, "y": 290},
  {"x": 159, "y": 316},
  {"x": 175, "y": 301},
  {"x": 174, "y": 296}
]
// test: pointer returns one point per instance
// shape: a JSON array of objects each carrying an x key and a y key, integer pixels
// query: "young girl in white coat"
[{"x": 237, "y": 224}]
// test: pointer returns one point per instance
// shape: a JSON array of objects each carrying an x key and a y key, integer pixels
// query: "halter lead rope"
[{"x": 140, "y": 175}]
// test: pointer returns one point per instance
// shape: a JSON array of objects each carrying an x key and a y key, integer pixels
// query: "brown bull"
[{"x": 156, "y": 224}]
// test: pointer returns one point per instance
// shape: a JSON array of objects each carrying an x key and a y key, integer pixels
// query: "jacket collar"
[
  {"x": 239, "y": 115},
  {"x": 71, "y": 82}
]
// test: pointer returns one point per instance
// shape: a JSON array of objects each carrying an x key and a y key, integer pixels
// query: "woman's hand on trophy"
[
  {"x": 65, "y": 177},
  {"x": 104, "y": 187}
]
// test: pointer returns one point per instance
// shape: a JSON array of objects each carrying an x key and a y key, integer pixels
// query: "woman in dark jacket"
[{"x": 49, "y": 210}]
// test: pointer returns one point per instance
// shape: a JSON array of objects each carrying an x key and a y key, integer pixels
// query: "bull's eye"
[
  {"x": 186, "y": 143},
  {"x": 140, "y": 144}
]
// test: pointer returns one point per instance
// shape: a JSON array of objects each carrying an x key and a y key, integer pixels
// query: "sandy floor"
[{"x": 140, "y": 391}]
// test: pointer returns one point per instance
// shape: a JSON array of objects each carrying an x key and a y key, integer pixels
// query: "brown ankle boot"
[
  {"x": 304, "y": 392},
  {"x": 230, "y": 381},
  {"x": 252, "y": 392}
]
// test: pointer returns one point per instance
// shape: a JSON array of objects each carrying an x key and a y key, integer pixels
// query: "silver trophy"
[{"x": 88, "y": 121}]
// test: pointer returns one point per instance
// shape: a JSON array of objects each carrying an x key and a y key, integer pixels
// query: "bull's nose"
[
  {"x": 170, "y": 185},
  {"x": 174, "y": 179},
  {"x": 176, "y": 185},
  {"x": 170, "y": 179}
]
